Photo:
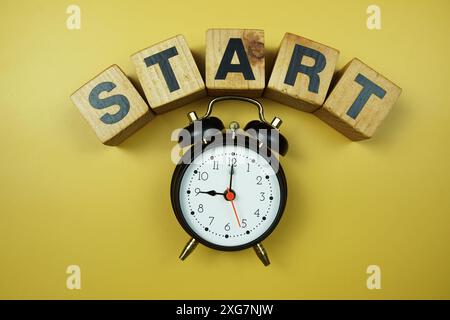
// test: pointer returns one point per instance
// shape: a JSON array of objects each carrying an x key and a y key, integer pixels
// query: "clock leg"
[
  {"x": 190, "y": 246},
  {"x": 262, "y": 254}
]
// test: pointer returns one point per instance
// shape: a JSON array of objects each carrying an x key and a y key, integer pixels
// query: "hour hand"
[{"x": 212, "y": 192}]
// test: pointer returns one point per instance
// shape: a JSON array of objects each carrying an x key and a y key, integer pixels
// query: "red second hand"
[
  {"x": 235, "y": 213},
  {"x": 230, "y": 196}
]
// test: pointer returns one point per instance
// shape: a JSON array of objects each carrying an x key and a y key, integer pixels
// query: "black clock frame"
[{"x": 196, "y": 151}]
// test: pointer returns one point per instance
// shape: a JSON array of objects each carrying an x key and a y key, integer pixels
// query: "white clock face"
[{"x": 230, "y": 215}]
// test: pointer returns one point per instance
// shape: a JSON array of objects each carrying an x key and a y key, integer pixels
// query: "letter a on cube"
[
  {"x": 359, "y": 102},
  {"x": 112, "y": 106},
  {"x": 302, "y": 73},
  {"x": 169, "y": 75},
  {"x": 235, "y": 62}
]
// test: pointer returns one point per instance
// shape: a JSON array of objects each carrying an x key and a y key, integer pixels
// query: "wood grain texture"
[
  {"x": 298, "y": 95},
  {"x": 235, "y": 83},
  {"x": 336, "y": 107},
  {"x": 137, "y": 116},
  {"x": 158, "y": 93}
]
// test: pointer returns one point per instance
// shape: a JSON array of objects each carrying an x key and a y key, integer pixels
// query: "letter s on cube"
[
  {"x": 302, "y": 73},
  {"x": 359, "y": 102},
  {"x": 112, "y": 106}
]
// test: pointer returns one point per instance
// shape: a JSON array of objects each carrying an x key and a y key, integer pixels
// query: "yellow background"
[{"x": 67, "y": 199}]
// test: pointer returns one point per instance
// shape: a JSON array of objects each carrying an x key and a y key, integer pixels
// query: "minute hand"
[{"x": 231, "y": 176}]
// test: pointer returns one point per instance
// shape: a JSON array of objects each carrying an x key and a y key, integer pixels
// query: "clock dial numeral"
[
  {"x": 200, "y": 208},
  {"x": 197, "y": 191},
  {"x": 256, "y": 213},
  {"x": 263, "y": 196},
  {"x": 212, "y": 219},
  {"x": 203, "y": 175},
  {"x": 244, "y": 223},
  {"x": 248, "y": 167},
  {"x": 232, "y": 161},
  {"x": 259, "y": 180},
  {"x": 227, "y": 227},
  {"x": 216, "y": 165}
]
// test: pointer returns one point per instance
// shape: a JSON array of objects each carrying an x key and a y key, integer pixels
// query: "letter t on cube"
[
  {"x": 168, "y": 74},
  {"x": 359, "y": 101},
  {"x": 302, "y": 73}
]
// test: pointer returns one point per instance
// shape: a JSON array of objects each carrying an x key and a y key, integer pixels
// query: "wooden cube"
[
  {"x": 112, "y": 106},
  {"x": 169, "y": 75},
  {"x": 359, "y": 102},
  {"x": 302, "y": 73},
  {"x": 235, "y": 62}
]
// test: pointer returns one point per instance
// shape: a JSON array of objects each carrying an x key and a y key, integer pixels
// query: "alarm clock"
[{"x": 228, "y": 190}]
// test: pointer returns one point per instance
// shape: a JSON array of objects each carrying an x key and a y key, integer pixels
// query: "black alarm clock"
[{"x": 229, "y": 190}]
